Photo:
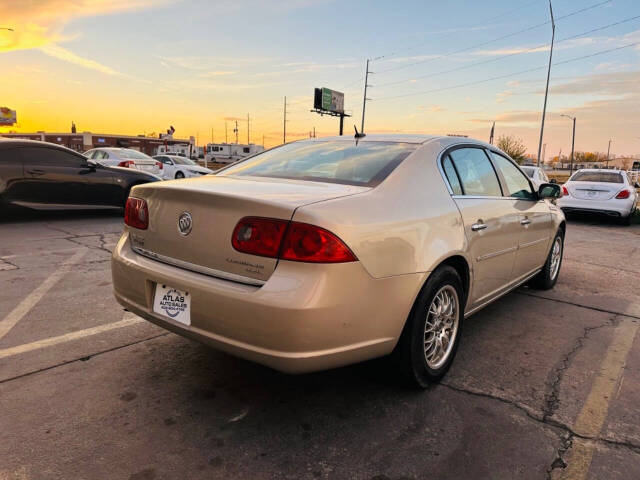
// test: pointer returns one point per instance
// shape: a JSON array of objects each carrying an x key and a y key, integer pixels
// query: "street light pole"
[
  {"x": 573, "y": 140},
  {"x": 608, "y": 151},
  {"x": 546, "y": 91}
]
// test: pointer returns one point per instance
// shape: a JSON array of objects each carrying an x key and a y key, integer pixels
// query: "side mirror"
[
  {"x": 549, "y": 190},
  {"x": 637, "y": 185},
  {"x": 553, "y": 180}
]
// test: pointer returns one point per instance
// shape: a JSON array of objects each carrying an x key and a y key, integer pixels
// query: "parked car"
[
  {"x": 537, "y": 175},
  {"x": 175, "y": 166},
  {"x": 125, "y": 157},
  {"x": 607, "y": 192},
  {"x": 384, "y": 251},
  {"x": 42, "y": 175}
]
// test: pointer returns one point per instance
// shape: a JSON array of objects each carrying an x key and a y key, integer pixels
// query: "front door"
[{"x": 534, "y": 218}]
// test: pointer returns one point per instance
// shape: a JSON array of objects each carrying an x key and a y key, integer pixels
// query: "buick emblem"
[{"x": 185, "y": 222}]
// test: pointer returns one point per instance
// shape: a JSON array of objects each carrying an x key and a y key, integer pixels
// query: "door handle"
[
  {"x": 36, "y": 171},
  {"x": 478, "y": 226},
  {"x": 525, "y": 221}
]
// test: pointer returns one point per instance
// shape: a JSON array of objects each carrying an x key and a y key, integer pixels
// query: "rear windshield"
[
  {"x": 133, "y": 154},
  {"x": 364, "y": 163},
  {"x": 528, "y": 171},
  {"x": 182, "y": 160},
  {"x": 604, "y": 177}
]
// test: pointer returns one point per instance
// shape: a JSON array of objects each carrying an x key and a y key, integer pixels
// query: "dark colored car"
[{"x": 42, "y": 175}]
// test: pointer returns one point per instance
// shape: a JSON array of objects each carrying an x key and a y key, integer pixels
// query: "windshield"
[
  {"x": 604, "y": 177},
  {"x": 133, "y": 154},
  {"x": 528, "y": 171},
  {"x": 182, "y": 161},
  {"x": 365, "y": 163}
]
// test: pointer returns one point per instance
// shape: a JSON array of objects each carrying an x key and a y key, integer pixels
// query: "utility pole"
[
  {"x": 284, "y": 125},
  {"x": 263, "y": 140},
  {"x": 573, "y": 139},
  {"x": 364, "y": 100},
  {"x": 608, "y": 151},
  {"x": 211, "y": 134},
  {"x": 544, "y": 150},
  {"x": 314, "y": 132},
  {"x": 247, "y": 129},
  {"x": 235, "y": 130},
  {"x": 546, "y": 91},
  {"x": 226, "y": 136}
]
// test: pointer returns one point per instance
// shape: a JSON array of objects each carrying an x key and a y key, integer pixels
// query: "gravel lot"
[{"x": 546, "y": 384}]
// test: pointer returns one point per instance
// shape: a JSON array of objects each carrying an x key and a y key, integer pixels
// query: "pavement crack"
[
  {"x": 559, "y": 462},
  {"x": 595, "y": 309},
  {"x": 552, "y": 398},
  {"x": 84, "y": 358},
  {"x": 12, "y": 265}
]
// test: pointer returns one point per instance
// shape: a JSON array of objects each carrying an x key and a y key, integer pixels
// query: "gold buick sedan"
[{"x": 331, "y": 251}]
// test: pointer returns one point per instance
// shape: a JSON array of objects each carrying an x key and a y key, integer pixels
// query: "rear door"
[
  {"x": 490, "y": 223},
  {"x": 534, "y": 218}
]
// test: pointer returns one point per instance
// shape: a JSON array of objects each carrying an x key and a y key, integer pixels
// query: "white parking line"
[
  {"x": 128, "y": 319},
  {"x": 36, "y": 295}
]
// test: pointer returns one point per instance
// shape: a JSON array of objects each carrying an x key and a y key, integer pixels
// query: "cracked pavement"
[{"x": 136, "y": 402}]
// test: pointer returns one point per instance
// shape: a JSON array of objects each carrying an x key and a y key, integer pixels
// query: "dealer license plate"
[{"x": 173, "y": 303}]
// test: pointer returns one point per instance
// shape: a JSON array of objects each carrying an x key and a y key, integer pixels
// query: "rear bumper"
[
  {"x": 306, "y": 317},
  {"x": 613, "y": 208}
]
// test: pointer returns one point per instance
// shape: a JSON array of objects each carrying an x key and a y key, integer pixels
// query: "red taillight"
[
  {"x": 136, "y": 213},
  {"x": 622, "y": 194},
  {"x": 160, "y": 165},
  {"x": 308, "y": 243},
  {"x": 126, "y": 163},
  {"x": 299, "y": 242},
  {"x": 565, "y": 192},
  {"x": 259, "y": 236}
]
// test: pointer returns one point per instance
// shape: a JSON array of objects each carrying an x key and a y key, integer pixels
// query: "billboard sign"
[
  {"x": 7, "y": 117},
  {"x": 328, "y": 100}
]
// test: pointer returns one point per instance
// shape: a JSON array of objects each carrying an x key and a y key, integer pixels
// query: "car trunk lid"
[
  {"x": 215, "y": 205},
  {"x": 593, "y": 190}
]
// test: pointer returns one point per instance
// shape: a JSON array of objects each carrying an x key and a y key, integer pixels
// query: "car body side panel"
[
  {"x": 12, "y": 181},
  {"x": 407, "y": 224},
  {"x": 534, "y": 237}
]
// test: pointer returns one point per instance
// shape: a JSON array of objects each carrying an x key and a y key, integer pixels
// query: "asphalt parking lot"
[{"x": 545, "y": 384}]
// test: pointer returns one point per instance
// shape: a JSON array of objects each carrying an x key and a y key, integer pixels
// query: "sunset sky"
[{"x": 138, "y": 66}]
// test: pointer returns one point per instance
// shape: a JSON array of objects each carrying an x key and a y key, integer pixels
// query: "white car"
[
  {"x": 537, "y": 175},
  {"x": 609, "y": 192},
  {"x": 176, "y": 166},
  {"x": 124, "y": 157}
]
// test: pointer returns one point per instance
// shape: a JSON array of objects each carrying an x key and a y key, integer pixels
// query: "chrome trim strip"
[
  {"x": 212, "y": 272},
  {"x": 508, "y": 290},
  {"x": 495, "y": 254},
  {"x": 534, "y": 242}
]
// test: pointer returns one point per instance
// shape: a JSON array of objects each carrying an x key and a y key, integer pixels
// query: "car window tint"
[
  {"x": 475, "y": 172},
  {"x": 604, "y": 177},
  {"x": 529, "y": 171},
  {"x": 517, "y": 184},
  {"x": 50, "y": 157},
  {"x": 346, "y": 162},
  {"x": 451, "y": 175}
]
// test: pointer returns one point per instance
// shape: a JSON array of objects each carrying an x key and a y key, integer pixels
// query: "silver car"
[
  {"x": 124, "y": 157},
  {"x": 608, "y": 192}
]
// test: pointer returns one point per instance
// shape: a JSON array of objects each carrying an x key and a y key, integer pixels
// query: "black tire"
[
  {"x": 409, "y": 355},
  {"x": 547, "y": 278},
  {"x": 626, "y": 221},
  {"x": 179, "y": 175}
]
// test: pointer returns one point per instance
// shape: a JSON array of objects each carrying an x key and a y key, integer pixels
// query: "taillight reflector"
[
  {"x": 565, "y": 192},
  {"x": 126, "y": 163},
  {"x": 160, "y": 165},
  {"x": 622, "y": 194},
  {"x": 136, "y": 213},
  {"x": 299, "y": 242}
]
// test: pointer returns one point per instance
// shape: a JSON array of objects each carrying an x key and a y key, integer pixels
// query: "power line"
[
  {"x": 513, "y": 34},
  {"x": 508, "y": 75},
  {"x": 508, "y": 55},
  {"x": 504, "y": 14}
]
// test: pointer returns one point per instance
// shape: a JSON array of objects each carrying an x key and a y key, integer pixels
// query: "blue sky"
[{"x": 137, "y": 66}]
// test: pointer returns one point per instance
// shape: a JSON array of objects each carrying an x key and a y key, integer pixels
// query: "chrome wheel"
[
  {"x": 441, "y": 327},
  {"x": 556, "y": 256}
]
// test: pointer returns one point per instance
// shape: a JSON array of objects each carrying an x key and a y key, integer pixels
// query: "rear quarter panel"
[{"x": 407, "y": 224}]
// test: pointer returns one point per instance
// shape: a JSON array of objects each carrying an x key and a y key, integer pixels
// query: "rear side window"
[
  {"x": 351, "y": 163},
  {"x": 604, "y": 177},
  {"x": 475, "y": 172},
  {"x": 44, "y": 156},
  {"x": 516, "y": 181},
  {"x": 452, "y": 176}
]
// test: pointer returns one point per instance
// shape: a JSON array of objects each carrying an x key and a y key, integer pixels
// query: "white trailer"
[{"x": 230, "y": 152}]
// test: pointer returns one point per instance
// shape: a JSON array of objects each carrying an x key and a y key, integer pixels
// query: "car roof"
[
  {"x": 610, "y": 170},
  {"x": 420, "y": 139},
  {"x": 22, "y": 142}
]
